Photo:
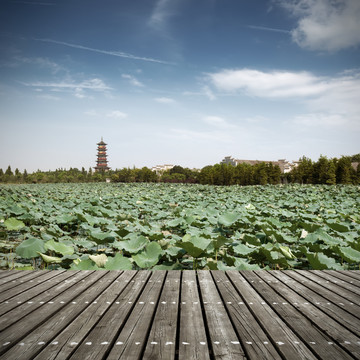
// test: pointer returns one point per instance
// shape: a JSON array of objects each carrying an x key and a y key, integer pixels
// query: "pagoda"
[{"x": 101, "y": 162}]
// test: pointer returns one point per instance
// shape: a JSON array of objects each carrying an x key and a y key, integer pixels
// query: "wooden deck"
[{"x": 180, "y": 315}]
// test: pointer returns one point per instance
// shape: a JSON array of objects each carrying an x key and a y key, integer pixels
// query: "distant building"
[
  {"x": 101, "y": 162},
  {"x": 284, "y": 165},
  {"x": 159, "y": 169}
]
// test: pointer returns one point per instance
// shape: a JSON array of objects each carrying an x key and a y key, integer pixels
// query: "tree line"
[{"x": 345, "y": 170}]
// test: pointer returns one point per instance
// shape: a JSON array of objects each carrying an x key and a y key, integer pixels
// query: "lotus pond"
[{"x": 166, "y": 226}]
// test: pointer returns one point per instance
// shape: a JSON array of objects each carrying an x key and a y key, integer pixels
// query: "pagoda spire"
[{"x": 101, "y": 162}]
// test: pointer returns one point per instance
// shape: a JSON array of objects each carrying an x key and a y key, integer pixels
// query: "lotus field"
[{"x": 164, "y": 226}]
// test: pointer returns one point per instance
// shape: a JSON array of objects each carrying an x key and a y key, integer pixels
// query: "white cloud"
[
  {"x": 133, "y": 80},
  {"x": 116, "y": 114},
  {"x": 165, "y": 100},
  {"x": 320, "y": 120},
  {"x": 275, "y": 84},
  {"x": 325, "y": 24},
  {"x": 329, "y": 100},
  {"x": 217, "y": 121}
]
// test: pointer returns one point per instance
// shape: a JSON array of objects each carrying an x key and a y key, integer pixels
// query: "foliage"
[{"x": 175, "y": 226}]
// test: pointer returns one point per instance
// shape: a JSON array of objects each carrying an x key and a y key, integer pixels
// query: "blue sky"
[{"x": 177, "y": 81}]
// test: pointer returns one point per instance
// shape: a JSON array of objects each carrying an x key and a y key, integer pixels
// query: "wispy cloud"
[
  {"x": 133, "y": 80},
  {"x": 78, "y": 89},
  {"x": 106, "y": 52},
  {"x": 324, "y": 24},
  {"x": 218, "y": 122},
  {"x": 113, "y": 114},
  {"x": 265, "y": 28},
  {"x": 116, "y": 114},
  {"x": 41, "y": 62},
  {"x": 165, "y": 100},
  {"x": 162, "y": 11}
]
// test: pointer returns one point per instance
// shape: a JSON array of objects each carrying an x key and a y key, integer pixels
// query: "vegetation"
[
  {"x": 345, "y": 170},
  {"x": 179, "y": 226}
]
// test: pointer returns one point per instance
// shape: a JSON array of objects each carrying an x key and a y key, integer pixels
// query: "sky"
[{"x": 179, "y": 82}]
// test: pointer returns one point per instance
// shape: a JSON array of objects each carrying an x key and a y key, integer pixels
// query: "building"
[
  {"x": 101, "y": 162},
  {"x": 159, "y": 169},
  {"x": 285, "y": 166}
]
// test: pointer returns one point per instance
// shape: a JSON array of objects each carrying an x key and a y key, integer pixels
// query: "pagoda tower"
[{"x": 101, "y": 162}]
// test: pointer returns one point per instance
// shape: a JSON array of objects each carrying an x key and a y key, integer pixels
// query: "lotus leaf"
[
  {"x": 149, "y": 256},
  {"x": 12, "y": 224},
  {"x": 58, "y": 247},
  {"x": 30, "y": 248}
]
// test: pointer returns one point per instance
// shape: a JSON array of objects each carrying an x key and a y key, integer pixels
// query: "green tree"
[{"x": 344, "y": 170}]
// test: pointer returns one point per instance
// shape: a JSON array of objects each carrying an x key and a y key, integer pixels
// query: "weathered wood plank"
[
  {"x": 326, "y": 338},
  {"x": 131, "y": 342},
  {"x": 329, "y": 283},
  {"x": 13, "y": 312},
  {"x": 11, "y": 275},
  {"x": 283, "y": 338},
  {"x": 334, "y": 305},
  {"x": 345, "y": 276},
  {"x": 161, "y": 343},
  {"x": 256, "y": 343},
  {"x": 355, "y": 274},
  {"x": 22, "y": 293},
  {"x": 343, "y": 280},
  {"x": 224, "y": 340},
  {"x": 64, "y": 293},
  {"x": 104, "y": 304},
  {"x": 193, "y": 341},
  {"x": 44, "y": 335}
]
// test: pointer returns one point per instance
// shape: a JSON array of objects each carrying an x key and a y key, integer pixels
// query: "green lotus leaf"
[
  {"x": 118, "y": 262},
  {"x": 337, "y": 226},
  {"x": 244, "y": 250},
  {"x": 350, "y": 254},
  {"x": 319, "y": 261},
  {"x": 58, "y": 247},
  {"x": 13, "y": 224},
  {"x": 134, "y": 245},
  {"x": 195, "y": 246},
  {"x": 149, "y": 256},
  {"x": 84, "y": 265},
  {"x": 228, "y": 219},
  {"x": 29, "y": 248}
]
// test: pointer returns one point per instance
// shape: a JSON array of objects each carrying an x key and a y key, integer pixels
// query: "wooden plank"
[
  {"x": 131, "y": 342},
  {"x": 343, "y": 277},
  {"x": 224, "y": 340},
  {"x": 82, "y": 312},
  {"x": 329, "y": 283},
  {"x": 342, "y": 283},
  {"x": 22, "y": 287},
  {"x": 288, "y": 344},
  {"x": 12, "y": 275},
  {"x": 100, "y": 318},
  {"x": 256, "y": 343},
  {"x": 333, "y": 304},
  {"x": 354, "y": 274},
  {"x": 13, "y": 311},
  {"x": 193, "y": 341},
  {"x": 326, "y": 339},
  {"x": 60, "y": 296},
  {"x": 161, "y": 343}
]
